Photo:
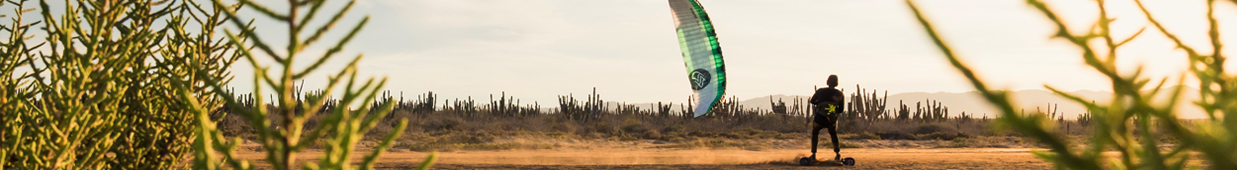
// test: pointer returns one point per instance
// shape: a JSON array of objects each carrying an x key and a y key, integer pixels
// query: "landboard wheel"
[
  {"x": 805, "y": 161},
  {"x": 848, "y": 161}
]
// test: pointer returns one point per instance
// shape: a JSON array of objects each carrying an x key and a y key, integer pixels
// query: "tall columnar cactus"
[
  {"x": 567, "y": 105},
  {"x": 663, "y": 110},
  {"x": 1084, "y": 119},
  {"x": 420, "y": 105},
  {"x": 799, "y": 107},
  {"x": 466, "y": 107},
  {"x": 590, "y": 109},
  {"x": 918, "y": 112},
  {"x": 505, "y": 106},
  {"x": 595, "y": 106},
  {"x": 865, "y": 106},
  {"x": 904, "y": 112},
  {"x": 963, "y": 117},
  {"x": 687, "y": 112},
  {"x": 1052, "y": 112},
  {"x": 939, "y": 112},
  {"x": 725, "y": 109},
  {"x": 778, "y": 107}
]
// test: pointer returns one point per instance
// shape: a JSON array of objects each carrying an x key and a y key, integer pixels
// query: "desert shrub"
[
  {"x": 673, "y": 139},
  {"x": 558, "y": 135},
  {"x": 704, "y": 134},
  {"x": 1128, "y": 123},
  {"x": 964, "y": 135},
  {"x": 447, "y": 124},
  {"x": 896, "y": 135},
  {"x": 477, "y": 140},
  {"x": 627, "y": 137},
  {"x": 935, "y": 128},
  {"x": 566, "y": 127},
  {"x": 866, "y": 135},
  {"x": 937, "y": 136},
  {"x": 960, "y": 143},
  {"x": 652, "y": 134},
  {"x": 674, "y": 129}
]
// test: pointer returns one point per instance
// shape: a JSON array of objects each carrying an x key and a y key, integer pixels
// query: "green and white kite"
[{"x": 701, "y": 54}]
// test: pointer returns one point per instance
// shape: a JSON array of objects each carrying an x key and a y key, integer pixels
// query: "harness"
[{"x": 826, "y": 109}]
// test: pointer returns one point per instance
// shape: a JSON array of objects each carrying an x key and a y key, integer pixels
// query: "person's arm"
[
  {"x": 842, "y": 104},
  {"x": 841, "y": 101},
  {"x": 815, "y": 97}
]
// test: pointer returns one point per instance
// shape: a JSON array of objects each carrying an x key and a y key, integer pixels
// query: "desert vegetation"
[{"x": 502, "y": 122}]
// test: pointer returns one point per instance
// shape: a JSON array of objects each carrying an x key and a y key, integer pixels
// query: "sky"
[{"x": 536, "y": 50}]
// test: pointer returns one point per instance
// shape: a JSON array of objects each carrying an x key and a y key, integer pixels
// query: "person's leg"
[
  {"x": 834, "y": 134},
  {"x": 815, "y": 134}
]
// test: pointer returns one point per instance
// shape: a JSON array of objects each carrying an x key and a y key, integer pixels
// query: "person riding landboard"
[{"x": 828, "y": 103}]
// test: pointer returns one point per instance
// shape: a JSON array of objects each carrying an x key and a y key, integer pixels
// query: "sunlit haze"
[{"x": 538, "y": 49}]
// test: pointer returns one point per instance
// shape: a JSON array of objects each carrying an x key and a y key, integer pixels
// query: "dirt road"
[{"x": 718, "y": 159}]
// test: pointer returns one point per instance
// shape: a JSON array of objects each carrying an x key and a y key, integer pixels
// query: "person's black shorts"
[{"x": 825, "y": 120}]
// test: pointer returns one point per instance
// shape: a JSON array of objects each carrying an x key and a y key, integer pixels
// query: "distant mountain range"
[{"x": 973, "y": 103}]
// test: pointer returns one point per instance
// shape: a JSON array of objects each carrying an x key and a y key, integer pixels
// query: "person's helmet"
[{"x": 833, "y": 80}]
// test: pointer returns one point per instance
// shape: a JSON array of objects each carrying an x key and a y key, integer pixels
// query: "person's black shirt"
[{"x": 828, "y": 96}]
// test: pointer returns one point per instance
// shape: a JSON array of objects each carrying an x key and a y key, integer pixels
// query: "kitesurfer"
[{"x": 827, "y": 103}]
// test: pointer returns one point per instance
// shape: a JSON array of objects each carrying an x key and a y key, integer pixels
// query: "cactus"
[
  {"x": 904, "y": 112},
  {"x": 664, "y": 110},
  {"x": 863, "y": 106},
  {"x": 505, "y": 106},
  {"x": 779, "y": 107},
  {"x": 918, "y": 112},
  {"x": 342, "y": 129},
  {"x": 963, "y": 117},
  {"x": 590, "y": 109},
  {"x": 1085, "y": 118},
  {"x": 103, "y": 84}
]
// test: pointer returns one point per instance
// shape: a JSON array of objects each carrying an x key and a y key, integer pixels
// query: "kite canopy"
[{"x": 701, "y": 54}]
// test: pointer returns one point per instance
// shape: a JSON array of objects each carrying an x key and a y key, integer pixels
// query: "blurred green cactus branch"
[
  {"x": 1131, "y": 122},
  {"x": 96, "y": 84},
  {"x": 280, "y": 128}
]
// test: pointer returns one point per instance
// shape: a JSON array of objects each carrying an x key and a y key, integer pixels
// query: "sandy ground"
[
  {"x": 981, "y": 158},
  {"x": 735, "y": 159},
  {"x": 754, "y": 154}
]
